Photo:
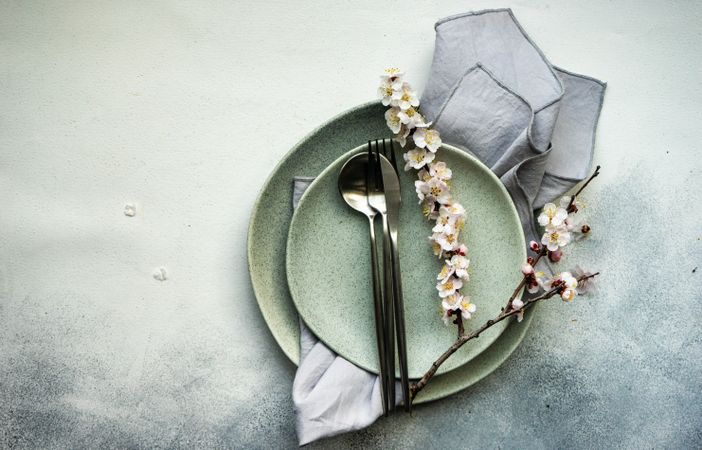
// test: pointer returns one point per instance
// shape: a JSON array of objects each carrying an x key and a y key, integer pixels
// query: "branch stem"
[
  {"x": 592, "y": 177},
  {"x": 463, "y": 338}
]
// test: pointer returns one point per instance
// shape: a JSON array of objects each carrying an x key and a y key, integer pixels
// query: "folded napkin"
[{"x": 493, "y": 92}]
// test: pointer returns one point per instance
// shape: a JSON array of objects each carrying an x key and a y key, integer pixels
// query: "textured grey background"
[{"x": 184, "y": 107}]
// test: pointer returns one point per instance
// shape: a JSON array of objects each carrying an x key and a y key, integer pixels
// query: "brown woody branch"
[{"x": 419, "y": 385}]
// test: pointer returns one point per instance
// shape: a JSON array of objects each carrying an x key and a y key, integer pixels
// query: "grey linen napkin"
[{"x": 493, "y": 92}]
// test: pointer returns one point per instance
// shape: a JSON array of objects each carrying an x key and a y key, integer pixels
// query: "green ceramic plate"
[
  {"x": 328, "y": 265},
  {"x": 267, "y": 237}
]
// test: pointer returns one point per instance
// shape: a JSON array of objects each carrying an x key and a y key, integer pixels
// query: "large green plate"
[
  {"x": 267, "y": 239},
  {"x": 328, "y": 265}
]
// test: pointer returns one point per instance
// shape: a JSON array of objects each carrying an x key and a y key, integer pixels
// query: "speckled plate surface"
[
  {"x": 267, "y": 237},
  {"x": 328, "y": 265}
]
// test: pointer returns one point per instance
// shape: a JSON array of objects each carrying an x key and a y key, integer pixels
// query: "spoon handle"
[{"x": 379, "y": 318}]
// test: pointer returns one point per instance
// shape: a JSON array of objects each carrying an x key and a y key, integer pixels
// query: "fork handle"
[{"x": 379, "y": 317}]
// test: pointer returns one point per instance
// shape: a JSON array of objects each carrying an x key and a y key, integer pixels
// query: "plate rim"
[
  {"x": 333, "y": 166},
  {"x": 293, "y": 355}
]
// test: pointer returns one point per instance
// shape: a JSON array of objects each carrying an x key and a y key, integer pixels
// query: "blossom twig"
[
  {"x": 419, "y": 385},
  {"x": 564, "y": 283},
  {"x": 422, "y": 143}
]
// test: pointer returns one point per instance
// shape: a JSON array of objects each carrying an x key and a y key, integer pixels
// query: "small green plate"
[
  {"x": 267, "y": 239},
  {"x": 328, "y": 265}
]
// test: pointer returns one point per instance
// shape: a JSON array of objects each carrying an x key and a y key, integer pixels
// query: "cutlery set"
[{"x": 369, "y": 183}]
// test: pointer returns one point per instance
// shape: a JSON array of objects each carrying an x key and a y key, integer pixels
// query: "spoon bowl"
[{"x": 352, "y": 184}]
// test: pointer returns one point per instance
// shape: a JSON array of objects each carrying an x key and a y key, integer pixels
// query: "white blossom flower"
[
  {"x": 460, "y": 265},
  {"x": 425, "y": 137},
  {"x": 405, "y": 97},
  {"x": 436, "y": 247},
  {"x": 417, "y": 158},
  {"x": 429, "y": 209},
  {"x": 447, "y": 241},
  {"x": 568, "y": 280},
  {"x": 393, "y": 120},
  {"x": 533, "y": 286},
  {"x": 456, "y": 209},
  {"x": 449, "y": 305},
  {"x": 438, "y": 169},
  {"x": 411, "y": 118},
  {"x": 566, "y": 283},
  {"x": 569, "y": 223},
  {"x": 449, "y": 287},
  {"x": 542, "y": 280},
  {"x": 433, "y": 189},
  {"x": 447, "y": 271},
  {"x": 564, "y": 202},
  {"x": 452, "y": 302},
  {"x": 401, "y": 136},
  {"x": 555, "y": 237},
  {"x": 394, "y": 76},
  {"x": 424, "y": 174},
  {"x": 577, "y": 228},
  {"x": 457, "y": 265},
  {"x": 385, "y": 91},
  {"x": 587, "y": 285},
  {"x": 552, "y": 215},
  {"x": 467, "y": 308},
  {"x": 439, "y": 191},
  {"x": 447, "y": 222},
  {"x": 420, "y": 187},
  {"x": 573, "y": 225},
  {"x": 568, "y": 294}
]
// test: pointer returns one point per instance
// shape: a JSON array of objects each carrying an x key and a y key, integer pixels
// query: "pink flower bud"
[
  {"x": 527, "y": 269},
  {"x": 517, "y": 303},
  {"x": 462, "y": 250},
  {"x": 533, "y": 286},
  {"x": 534, "y": 246},
  {"x": 555, "y": 256}
]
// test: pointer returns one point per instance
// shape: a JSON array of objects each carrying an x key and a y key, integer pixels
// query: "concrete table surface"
[{"x": 182, "y": 109}]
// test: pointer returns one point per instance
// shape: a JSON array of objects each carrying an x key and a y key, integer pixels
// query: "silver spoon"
[{"x": 353, "y": 188}]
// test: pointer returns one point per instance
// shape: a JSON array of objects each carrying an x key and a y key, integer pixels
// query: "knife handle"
[
  {"x": 400, "y": 320},
  {"x": 389, "y": 313}
]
